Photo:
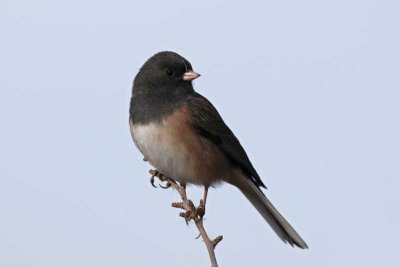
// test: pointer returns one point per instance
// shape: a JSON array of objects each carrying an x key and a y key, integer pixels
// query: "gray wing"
[{"x": 207, "y": 121}]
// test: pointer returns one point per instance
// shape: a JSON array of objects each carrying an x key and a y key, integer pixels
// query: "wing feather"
[{"x": 207, "y": 121}]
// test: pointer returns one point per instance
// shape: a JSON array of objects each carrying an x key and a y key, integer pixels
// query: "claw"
[
  {"x": 160, "y": 176},
  {"x": 185, "y": 215},
  {"x": 189, "y": 215},
  {"x": 152, "y": 181},
  {"x": 166, "y": 186}
]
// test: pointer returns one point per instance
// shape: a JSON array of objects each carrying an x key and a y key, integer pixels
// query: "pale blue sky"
[{"x": 311, "y": 89}]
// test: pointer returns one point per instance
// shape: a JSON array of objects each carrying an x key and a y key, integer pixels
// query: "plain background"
[{"x": 311, "y": 88}]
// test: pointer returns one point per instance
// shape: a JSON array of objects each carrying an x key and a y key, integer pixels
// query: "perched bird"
[{"x": 182, "y": 135}]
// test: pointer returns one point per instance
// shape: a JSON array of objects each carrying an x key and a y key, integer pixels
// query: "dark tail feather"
[{"x": 281, "y": 227}]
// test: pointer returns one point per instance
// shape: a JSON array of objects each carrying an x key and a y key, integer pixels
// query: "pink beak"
[{"x": 190, "y": 75}]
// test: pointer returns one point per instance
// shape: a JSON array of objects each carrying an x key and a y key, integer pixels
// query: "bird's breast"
[{"x": 174, "y": 148}]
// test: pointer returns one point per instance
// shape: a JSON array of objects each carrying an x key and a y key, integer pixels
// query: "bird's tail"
[{"x": 281, "y": 227}]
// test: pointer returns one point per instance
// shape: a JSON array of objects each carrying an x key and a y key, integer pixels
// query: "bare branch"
[{"x": 191, "y": 212}]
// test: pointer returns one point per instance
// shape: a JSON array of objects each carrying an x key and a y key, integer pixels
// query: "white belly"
[
  {"x": 158, "y": 149},
  {"x": 179, "y": 153}
]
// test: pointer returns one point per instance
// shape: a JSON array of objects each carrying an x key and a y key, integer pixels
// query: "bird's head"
[{"x": 165, "y": 70}]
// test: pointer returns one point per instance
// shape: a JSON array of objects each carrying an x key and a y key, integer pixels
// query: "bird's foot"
[
  {"x": 190, "y": 213},
  {"x": 201, "y": 209},
  {"x": 161, "y": 177}
]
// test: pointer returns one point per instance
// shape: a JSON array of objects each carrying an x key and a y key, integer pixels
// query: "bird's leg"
[
  {"x": 201, "y": 209},
  {"x": 205, "y": 195}
]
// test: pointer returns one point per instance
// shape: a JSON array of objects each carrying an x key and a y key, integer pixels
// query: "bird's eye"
[{"x": 169, "y": 72}]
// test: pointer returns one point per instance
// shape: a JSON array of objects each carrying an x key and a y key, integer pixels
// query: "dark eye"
[{"x": 169, "y": 72}]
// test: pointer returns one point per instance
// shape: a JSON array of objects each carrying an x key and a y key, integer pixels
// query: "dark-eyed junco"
[{"x": 182, "y": 135}]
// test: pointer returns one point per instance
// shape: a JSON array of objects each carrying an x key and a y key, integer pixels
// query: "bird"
[{"x": 182, "y": 135}]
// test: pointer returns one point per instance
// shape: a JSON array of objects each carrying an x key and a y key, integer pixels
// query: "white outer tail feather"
[{"x": 281, "y": 227}]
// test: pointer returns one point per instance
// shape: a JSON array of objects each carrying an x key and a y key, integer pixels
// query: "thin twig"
[{"x": 191, "y": 213}]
